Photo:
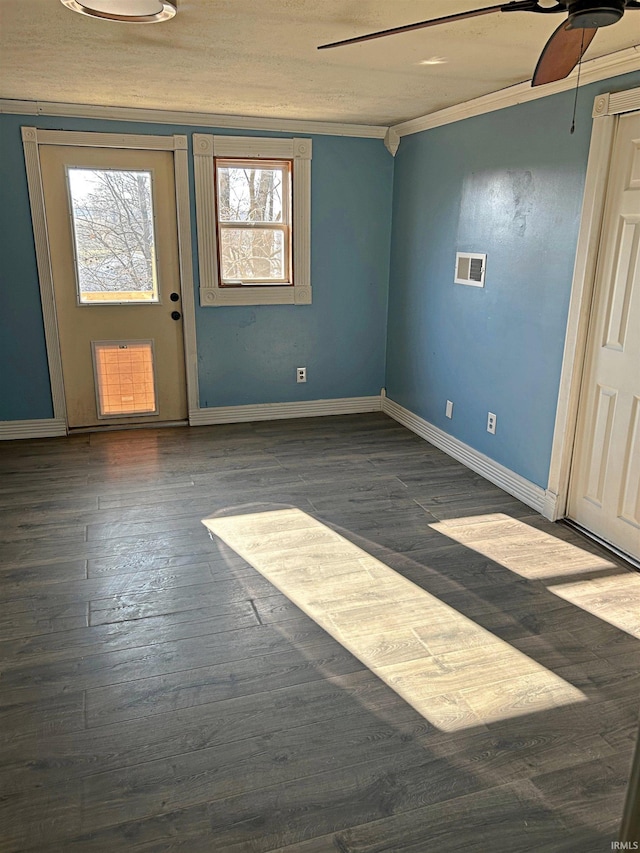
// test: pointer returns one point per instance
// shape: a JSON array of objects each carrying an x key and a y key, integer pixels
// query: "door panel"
[
  {"x": 142, "y": 312},
  {"x": 630, "y": 505},
  {"x": 604, "y": 492}
]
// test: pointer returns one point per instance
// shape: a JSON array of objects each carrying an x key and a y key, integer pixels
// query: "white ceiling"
[{"x": 259, "y": 57}]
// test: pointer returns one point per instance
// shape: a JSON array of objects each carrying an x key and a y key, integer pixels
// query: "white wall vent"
[{"x": 470, "y": 268}]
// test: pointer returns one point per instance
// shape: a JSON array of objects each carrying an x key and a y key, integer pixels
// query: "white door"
[
  {"x": 113, "y": 240},
  {"x": 604, "y": 494}
]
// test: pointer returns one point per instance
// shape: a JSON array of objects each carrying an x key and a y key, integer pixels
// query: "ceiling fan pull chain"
[{"x": 575, "y": 100}]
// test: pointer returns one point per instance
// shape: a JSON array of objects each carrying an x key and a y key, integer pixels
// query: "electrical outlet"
[
  {"x": 301, "y": 374},
  {"x": 491, "y": 423},
  {"x": 449, "y": 410}
]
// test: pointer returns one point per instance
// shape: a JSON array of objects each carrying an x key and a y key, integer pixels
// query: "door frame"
[
  {"x": 32, "y": 139},
  {"x": 607, "y": 109}
]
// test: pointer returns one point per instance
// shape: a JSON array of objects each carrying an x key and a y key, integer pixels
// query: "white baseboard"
[
  {"x": 220, "y": 415},
  {"x": 524, "y": 490},
  {"x": 278, "y": 411},
  {"x": 544, "y": 502},
  {"x": 45, "y": 428}
]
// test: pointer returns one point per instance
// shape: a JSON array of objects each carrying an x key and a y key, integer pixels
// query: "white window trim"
[{"x": 205, "y": 148}]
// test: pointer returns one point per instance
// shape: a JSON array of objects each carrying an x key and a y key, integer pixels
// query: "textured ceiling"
[{"x": 259, "y": 57}]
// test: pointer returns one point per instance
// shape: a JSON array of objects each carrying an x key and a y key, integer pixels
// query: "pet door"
[{"x": 125, "y": 378}]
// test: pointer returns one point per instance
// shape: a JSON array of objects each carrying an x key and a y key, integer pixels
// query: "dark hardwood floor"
[{"x": 377, "y": 652}]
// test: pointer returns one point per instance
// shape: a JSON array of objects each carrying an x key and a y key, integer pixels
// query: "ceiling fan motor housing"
[{"x": 591, "y": 14}]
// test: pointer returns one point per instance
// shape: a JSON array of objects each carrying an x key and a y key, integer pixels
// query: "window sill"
[{"x": 256, "y": 295}]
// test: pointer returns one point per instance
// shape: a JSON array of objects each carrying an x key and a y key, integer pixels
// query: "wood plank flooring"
[{"x": 377, "y": 650}]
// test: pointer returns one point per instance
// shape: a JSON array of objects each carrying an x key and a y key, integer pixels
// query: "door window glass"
[{"x": 113, "y": 231}]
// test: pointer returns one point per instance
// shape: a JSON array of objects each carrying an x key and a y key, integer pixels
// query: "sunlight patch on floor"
[
  {"x": 521, "y": 548},
  {"x": 452, "y": 671},
  {"x": 540, "y": 556},
  {"x": 615, "y": 599}
]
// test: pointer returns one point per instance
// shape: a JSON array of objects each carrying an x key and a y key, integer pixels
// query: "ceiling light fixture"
[{"x": 127, "y": 11}]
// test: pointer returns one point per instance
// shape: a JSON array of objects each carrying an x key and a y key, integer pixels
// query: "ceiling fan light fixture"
[
  {"x": 591, "y": 14},
  {"x": 126, "y": 11}
]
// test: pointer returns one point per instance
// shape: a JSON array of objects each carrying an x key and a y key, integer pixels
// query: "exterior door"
[
  {"x": 113, "y": 239},
  {"x": 604, "y": 494}
]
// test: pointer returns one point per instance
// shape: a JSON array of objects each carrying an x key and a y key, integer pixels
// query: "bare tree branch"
[{"x": 114, "y": 232}]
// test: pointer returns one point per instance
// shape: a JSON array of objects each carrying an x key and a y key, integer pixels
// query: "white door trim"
[
  {"x": 32, "y": 138},
  {"x": 606, "y": 110}
]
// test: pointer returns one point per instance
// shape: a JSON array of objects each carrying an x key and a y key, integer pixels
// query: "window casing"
[{"x": 253, "y": 210}]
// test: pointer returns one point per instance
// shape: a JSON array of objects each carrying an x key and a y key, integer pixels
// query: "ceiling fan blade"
[
  {"x": 561, "y": 53},
  {"x": 514, "y": 6}
]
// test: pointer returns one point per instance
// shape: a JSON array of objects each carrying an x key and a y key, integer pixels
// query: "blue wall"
[
  {"x": 24, "y": 377},
  {"x": 508, "y": 183},
  {"x": 245, "y": 355},
  {"x": 249, "y": 355}
]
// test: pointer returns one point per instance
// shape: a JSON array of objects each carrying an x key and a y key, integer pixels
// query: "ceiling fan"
[{"x": 565, "y": 48}]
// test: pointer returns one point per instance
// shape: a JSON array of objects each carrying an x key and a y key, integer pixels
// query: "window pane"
[
  {"x": 114, "y": 238},
  {"x": 252, "y": 254},
  {"x": 250, "y": 195}
]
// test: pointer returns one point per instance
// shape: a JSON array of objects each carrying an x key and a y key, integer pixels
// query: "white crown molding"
[
  {"x": 392, "y": 142},
  {"x": 601, "y": 68},
  {"x": 45, "y": 428},
  {"x": 178, "y": 117},
  {"x": 278, "y": 411},
  {"x": 524, "y": 490}
]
